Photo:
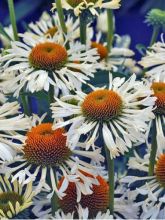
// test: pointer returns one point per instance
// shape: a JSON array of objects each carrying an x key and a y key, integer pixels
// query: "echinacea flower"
[
  {"x": 122, "y": 112},
  {"x": 95, "y": 202},
  {"x": 151, "y": 188},
  {"x": 49, "y": 25},
  {"x": 11, "y": 121},
  {"x": 159, "y": 92},
  {"x": 120, "y": 58},
  {"x": 45, "y": 153},
  {"x": 158, "y": 88},
  {"x": 44, "y": 61},
  {"x": 14, "y": 197},
  {"x": 79, "y": 5},
  {"x": 154, "y": 61},
  {"x": 94, "y": 206}
]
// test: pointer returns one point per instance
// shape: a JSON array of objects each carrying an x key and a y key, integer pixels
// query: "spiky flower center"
[
  {"x": 159, "y": 92},
  {"x": 102, "y": 105},
  {"x": 160, "y": 170},
  {"x": 51, "y": 31},
  {"x": 98, "y": 201},
  {"x": 156, "y": 17},
  {"x": 9, "y": 197},
  {"x": 48, "y": 56},
  {"x": 102, "y": 50},
  {"x": 46, "y": 147},
  {"x": 75, "y": 3}
]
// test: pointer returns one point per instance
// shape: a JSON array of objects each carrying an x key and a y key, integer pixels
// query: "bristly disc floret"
[
  {"x": 46, "y": 147},
  {"x": 102, "y": 105},
  {"x": 48, "y": 56}
]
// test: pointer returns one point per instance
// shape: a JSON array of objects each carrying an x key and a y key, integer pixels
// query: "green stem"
[
  {"x": 54, "y": 199},
  {"x": 62, "y": 19},
  {"x": 54, "y": 202},
  {"x": 61, "y": 15},
  {"x": 111, "y": 174},
  {"x": 83, "y": 30},
  {"x": 24, "y": 101},
  {"x": 154, "y": 35},
  {"x": 51, "y": 94},
  {"x": 110, "y": 33},
  {"x": 153, "y": 150},
  {"x": 13, "y": 19}
]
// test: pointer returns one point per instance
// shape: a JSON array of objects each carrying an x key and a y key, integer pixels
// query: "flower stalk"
[
  {"x": 54, "y": 199},
  {"x": 51, "y": 94},
  {"x": 153, "y": 150},
  {"x": 61, "y": 18},
  {"x": 83, "y": 29},
  {"x": 111, "y": 181},
  {"x": 25, "y": 105},
  {"x": 13, "y": 19},
  {"x": 54, "y": 206},
  {"x": 154, "y": 35},
  {"x": 110, "y": 33}
]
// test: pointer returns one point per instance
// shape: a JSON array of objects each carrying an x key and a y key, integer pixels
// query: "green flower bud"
[{"x": 156, "y": 18}]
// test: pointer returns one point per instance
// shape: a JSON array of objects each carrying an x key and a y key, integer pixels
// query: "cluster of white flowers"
[{"x": 58, "y": 163}]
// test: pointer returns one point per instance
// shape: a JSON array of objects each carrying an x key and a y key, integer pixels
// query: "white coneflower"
[
  {"x": 117, "y": 58},
  {"x": 79, "y": 5},
  {"x": 154, "y": 61},
  {"x": 49, "y": 25},
  {"x": 158, "y": 88},
  {"x": 44, "y": 151},
  {"x": 151, "y": 188},
  {"x": 92, "y": 206},
  {"x": 44, "y": 61},
  {"x": 14, "y": 197},
  {"x": 11, "y": 121},
  {"x": 121, "y": 111}
]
